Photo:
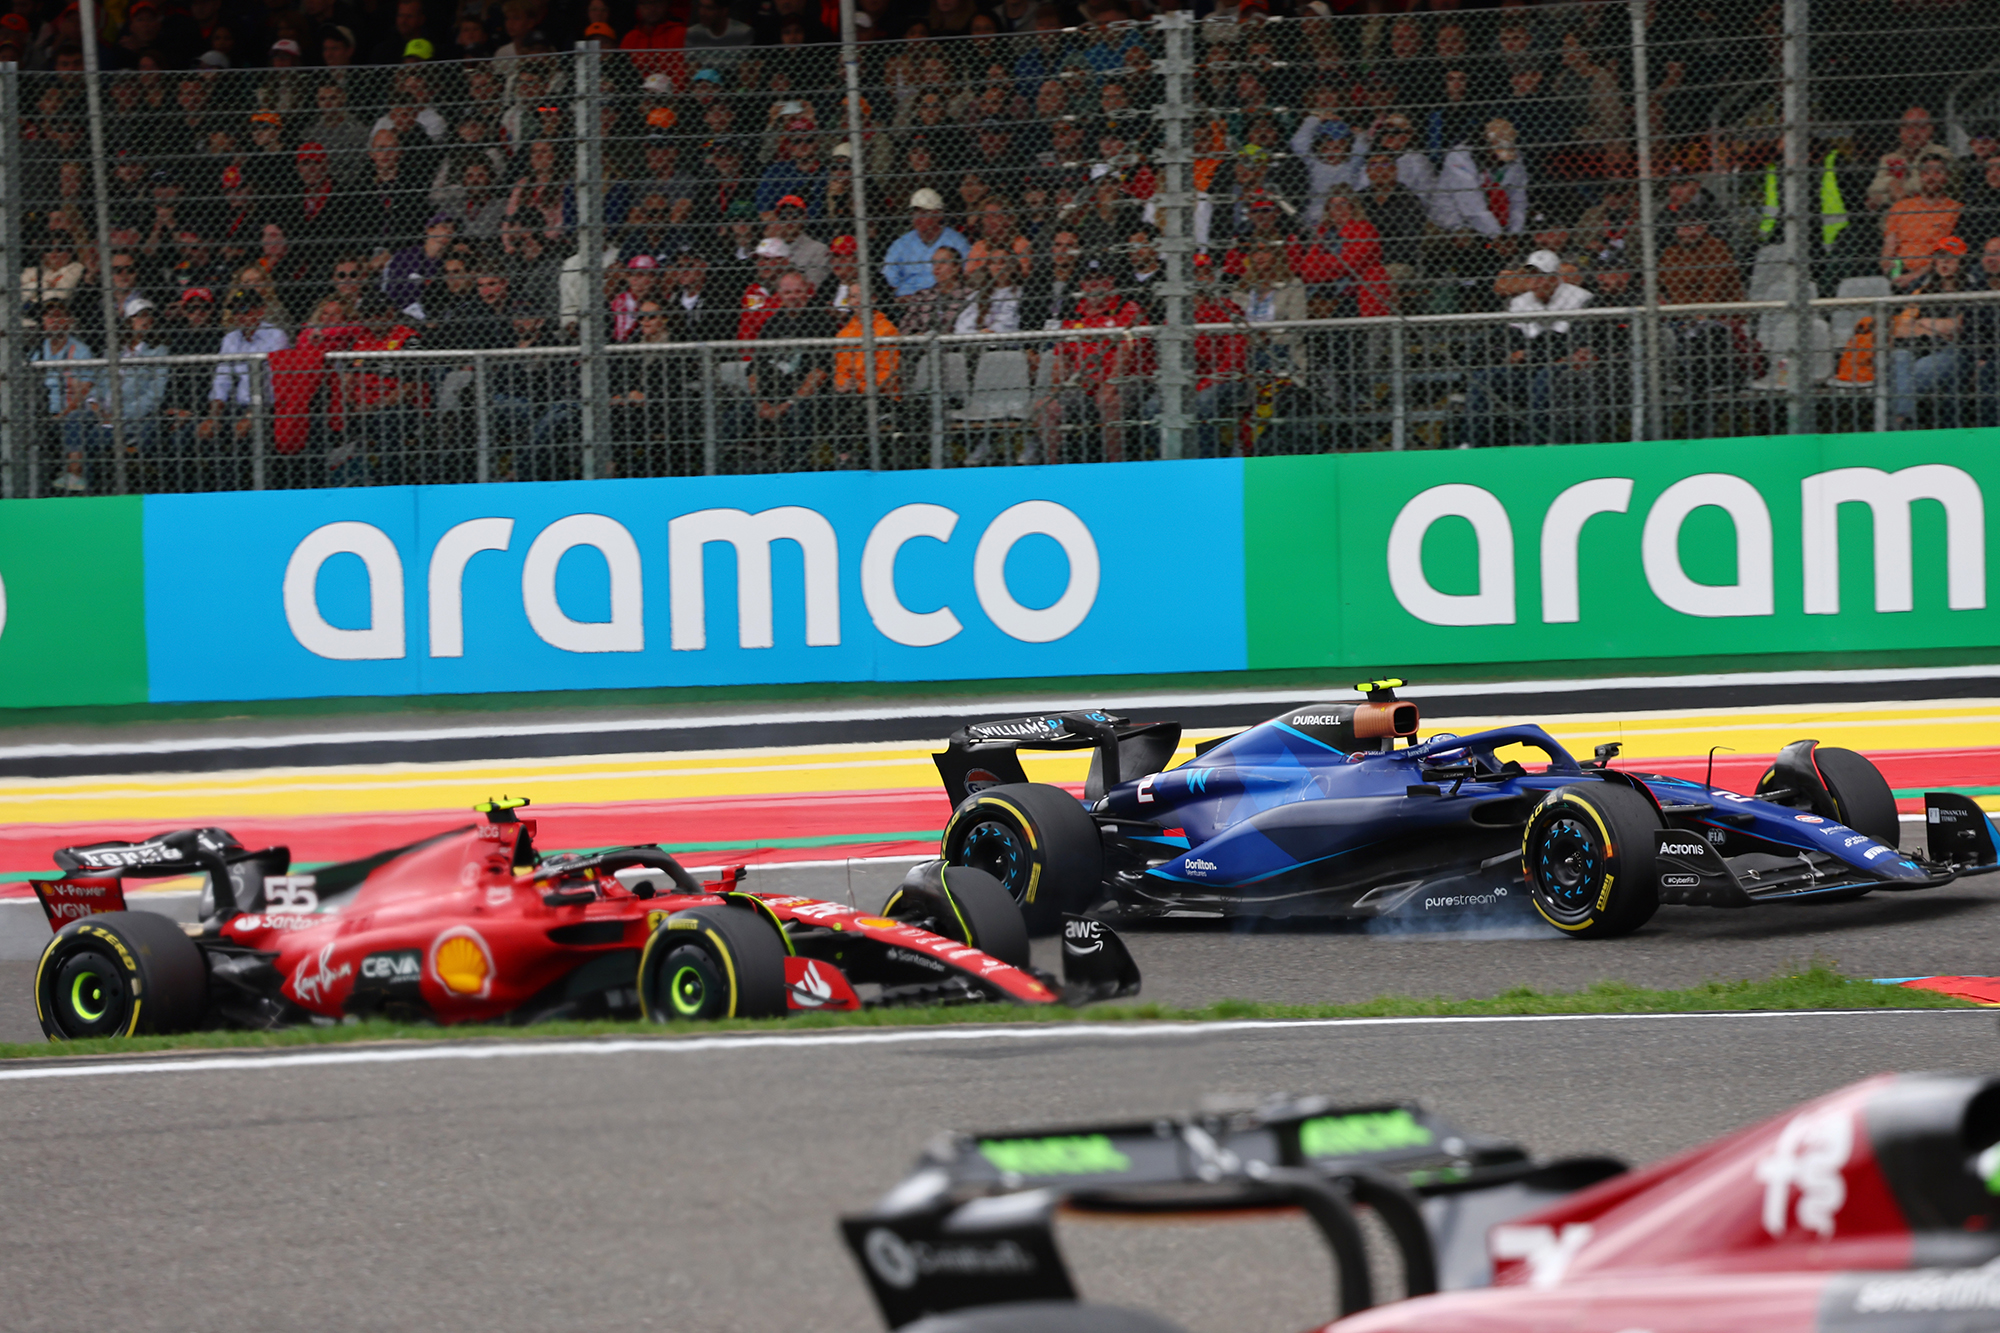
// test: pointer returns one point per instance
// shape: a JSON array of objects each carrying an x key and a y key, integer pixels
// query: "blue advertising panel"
[{"x": 988, "y": 574}]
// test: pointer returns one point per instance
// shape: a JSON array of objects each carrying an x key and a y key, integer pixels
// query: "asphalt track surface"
[
  {"x": 672, "y": 1186},
  {"x": 66, "y": 750},
  {"x": 1950, "y": 931}
]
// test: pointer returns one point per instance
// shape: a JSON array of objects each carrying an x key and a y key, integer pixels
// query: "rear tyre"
[
  {"x": 1861, "y": 795},
  {"x": 1038, "y": 842},
  {"x": 972, "y": 907},
  {"x": 120, "y": 974},
  {"x": 710, "y": 963},
  {"x": 1588, "y": 854}
]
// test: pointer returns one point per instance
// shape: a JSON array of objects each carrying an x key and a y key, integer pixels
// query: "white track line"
[
  {"x": 994, "y": 708},
  {"x": 507, "y": 1050}
]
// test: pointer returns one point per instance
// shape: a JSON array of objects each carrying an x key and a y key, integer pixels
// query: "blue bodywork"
[{"x": 1274, "y": 821}]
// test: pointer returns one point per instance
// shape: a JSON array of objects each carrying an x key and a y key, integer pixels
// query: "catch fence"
[{"x": 1097, "y": 238}]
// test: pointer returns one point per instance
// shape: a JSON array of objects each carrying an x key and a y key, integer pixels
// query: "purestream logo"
[{"x": 1465, "y": 900}]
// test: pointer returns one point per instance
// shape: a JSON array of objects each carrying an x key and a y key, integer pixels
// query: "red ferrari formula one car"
[
  {"x": 473, "y": 925},
  {"x": 1875, "y": 1209}
]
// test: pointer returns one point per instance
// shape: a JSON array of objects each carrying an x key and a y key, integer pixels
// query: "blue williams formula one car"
[{"x": 1337, "y": 810}]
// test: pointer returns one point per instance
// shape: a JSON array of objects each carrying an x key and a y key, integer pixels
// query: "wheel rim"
[
  {"x": 86, "y": 997},
  {"x": 1569, "y": 867},
  {"x": 996, "y": 849},
  {"x": 687, "y": 991}
]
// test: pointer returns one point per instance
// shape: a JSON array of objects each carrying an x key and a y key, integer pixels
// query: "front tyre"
[
  {"x": 964, "y": 904},
  {"x": 1861, "y": 795},
  {"x": 1588, "y": 855},
  {"x": 710, "y": 963},
  {"x": 120, "y": 974},
  {"x": 1038, "y": 842}
]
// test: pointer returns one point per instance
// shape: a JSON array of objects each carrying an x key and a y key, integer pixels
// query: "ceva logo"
[
  {"x": 688, "y": 538},
  {"x": 1888, "y": 496}
]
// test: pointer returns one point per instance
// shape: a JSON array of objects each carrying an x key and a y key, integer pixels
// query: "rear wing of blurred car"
[
  {"x": 973, "y": 1224},
  {"x": 94, "y": 874},
  {"x": 985, "y": 754}
]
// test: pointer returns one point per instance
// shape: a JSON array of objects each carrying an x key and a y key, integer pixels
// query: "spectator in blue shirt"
[
  {"x": 68, "y": 390},
  {"x": 797, "y": 170},
  {"x": 142, "y": 392},
  {"x": 229, "y": 396},
  {"x": 908, "y": 263}
]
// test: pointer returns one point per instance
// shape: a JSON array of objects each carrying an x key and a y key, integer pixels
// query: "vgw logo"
[
  {"x": 1888, "y": 496},
  {"x": 688, "y": 538}
]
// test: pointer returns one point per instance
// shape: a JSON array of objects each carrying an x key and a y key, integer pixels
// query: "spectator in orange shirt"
[{"x": 1913, "y": 226}]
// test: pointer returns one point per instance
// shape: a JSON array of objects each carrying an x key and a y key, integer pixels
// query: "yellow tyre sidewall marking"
[
  {"x": 728, "y": 965},
  {"x": 1027, "y": 830},
  {"x": 1609, "y": 879},
  {"x": 124, "y": 955}
]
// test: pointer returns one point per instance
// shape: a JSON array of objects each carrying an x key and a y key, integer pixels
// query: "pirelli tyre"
[
  {"x": 1038, "y": 842},
  {"x": 120, "y": 974},
  {"x": 1861, "y": 795},
  {"x": 1588, "y": 855},
  {"x": 712, "y": 962},
  {"x": 968, "y": 905}
]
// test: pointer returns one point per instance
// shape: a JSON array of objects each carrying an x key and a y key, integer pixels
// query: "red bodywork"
[
  {"x": 1752, "y": 1232},
  {"x": 484, "y": 940}
]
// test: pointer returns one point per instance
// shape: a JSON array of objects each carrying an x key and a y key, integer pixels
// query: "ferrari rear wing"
[
  {"x": 93, "y": 874},
  {"x": 973, "y": 1225},
  {"x": 984, "y": 754}
]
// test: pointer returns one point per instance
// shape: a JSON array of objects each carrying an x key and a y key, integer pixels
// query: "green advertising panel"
[
  {"x": 72, "y": 602},
  {"x": 1681, "y": 549}
]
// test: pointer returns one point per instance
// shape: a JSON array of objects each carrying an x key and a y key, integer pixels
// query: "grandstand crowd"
[{"x": 311, "y": 178}]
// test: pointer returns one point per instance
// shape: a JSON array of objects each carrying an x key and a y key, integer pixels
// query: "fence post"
[
  {"x": 593, "y": 381},
  {"x": 1800, "y": 210},
  {"x": 483, "y": 468},
  {"x": 100, "y": 188},
  {"x": 1649, "y": 257},
  {"x": 1175, "y": 241},
  {"x": 15, "y": 378},
  {"x": 259, "y": 366},
  {"x": 864, "y": 299},
  {"x": 937, "y": 401},
  {"x": 708, "y": 391},
  {"x": 1638, "y": 386},
  {"x": 1399, "y": 384},
  {"x": 1883, "y": 343}
]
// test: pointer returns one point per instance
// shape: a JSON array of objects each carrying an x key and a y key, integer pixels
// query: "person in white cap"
[
  {"x": 1523, "y": 367},
  {"x": 907, "y": 266},
  {"x": 142, "y": 391},
  {"x": 760, "y": 295}
]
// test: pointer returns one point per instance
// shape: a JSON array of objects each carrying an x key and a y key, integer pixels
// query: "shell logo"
[{"x": 462, "y": 963}]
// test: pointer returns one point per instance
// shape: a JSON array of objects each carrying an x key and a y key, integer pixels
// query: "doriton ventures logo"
[{"x": 900, "y": 1263}]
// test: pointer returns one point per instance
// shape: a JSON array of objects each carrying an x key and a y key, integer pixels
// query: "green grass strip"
[
  {"x": 1914, "y": 792},
  {"x": 1816, "y": 986}
]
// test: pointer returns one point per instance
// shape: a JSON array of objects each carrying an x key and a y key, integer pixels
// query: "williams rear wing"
[
  {"x": 984, "y": 754},
  {"x": 973, "y": 1225}
]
